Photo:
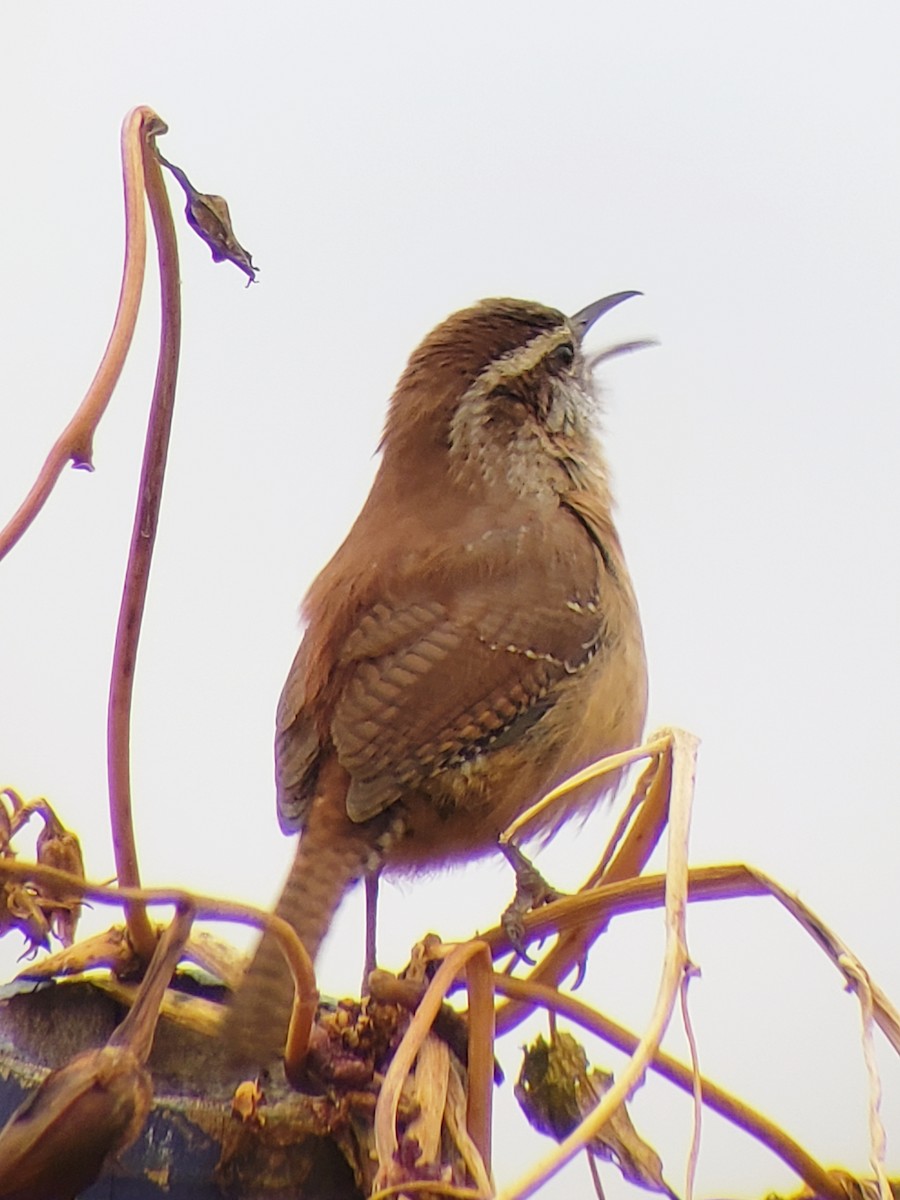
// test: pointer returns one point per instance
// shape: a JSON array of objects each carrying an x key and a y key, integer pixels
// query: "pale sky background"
[{"x": 386, "y": 164}]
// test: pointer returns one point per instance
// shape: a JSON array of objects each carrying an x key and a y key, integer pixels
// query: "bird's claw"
[
  {"x": 514, "y": 928},
  {"x": 532, "y": 890}
]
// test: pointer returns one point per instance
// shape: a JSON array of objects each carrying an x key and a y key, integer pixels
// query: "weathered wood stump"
[{"x": 192, "y": 1145}]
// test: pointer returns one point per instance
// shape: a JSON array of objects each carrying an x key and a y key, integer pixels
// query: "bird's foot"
[{"x": 532, "y": 890}]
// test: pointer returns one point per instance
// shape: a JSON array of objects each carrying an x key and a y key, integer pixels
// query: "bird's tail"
[{"x": 331, "y": 856}]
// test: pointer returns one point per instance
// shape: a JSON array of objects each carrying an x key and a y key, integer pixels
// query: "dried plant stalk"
[
  {"x": 683, "y": 749},
  {"x": 386, "y": 1143},
  {"x": 75, "y": 443},
  {"x": 137, "y": 574},
  {"x": 204, "y": 908},
  {"x": 651, "y": 804}
]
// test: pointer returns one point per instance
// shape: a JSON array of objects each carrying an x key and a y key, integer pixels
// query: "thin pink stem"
[
  {"x": 143, "y": 537},
  {"x": 75, "y": 443}
]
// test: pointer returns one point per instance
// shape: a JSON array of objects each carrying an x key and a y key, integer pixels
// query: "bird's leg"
[
  {"x": 532, "y": 890},
  {"x": 371, "y": 962}
]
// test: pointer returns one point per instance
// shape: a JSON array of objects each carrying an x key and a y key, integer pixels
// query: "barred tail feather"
[{"x": 331, "y": 856}]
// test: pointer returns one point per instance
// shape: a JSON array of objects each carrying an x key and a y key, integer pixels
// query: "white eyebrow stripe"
[{"x": 519, "y": 361}]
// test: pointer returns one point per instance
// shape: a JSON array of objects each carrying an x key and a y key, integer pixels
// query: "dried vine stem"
[
  {"x": 142, "y": 176},
  {"x": 596, "y": 907},
  {"x": 706, "y": 883},
  {"x": 877, "y": 1135},
  {"x": 480, "y": 980},
  {"x": 137, "y": 1029},
  {"x": 143, "y": 536},
  {"x": 647, "y": 813},
  {"x": 385, "y": 1124},
  {"x": 884, "y": 1013},
  {"x": 697, "y": 1120},
  {"x": 75, "y": 443},
  {"x": 683, "y": 748},
  {"x": 659, "y": 743},
  {"x": 817, "y": 1179},
  {"x": 204, "y": 908}
]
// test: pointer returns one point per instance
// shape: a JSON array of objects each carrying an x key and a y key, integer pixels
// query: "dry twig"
[
  {"x": 682, "y": 748},
  {"x": 75, "y": 443}
]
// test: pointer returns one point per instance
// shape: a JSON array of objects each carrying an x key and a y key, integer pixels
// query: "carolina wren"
[{"x": 475, "y": 639}]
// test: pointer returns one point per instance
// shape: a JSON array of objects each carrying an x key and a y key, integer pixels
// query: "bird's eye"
[{"x": 565, "y": 354}]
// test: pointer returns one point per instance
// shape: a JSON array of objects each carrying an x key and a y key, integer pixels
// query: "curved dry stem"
[
  {"x": 141, "y": 551},
  {"x": 877, "y": 1136},
  {"x": 137, "y": 1030},
  {"x": 731, "y": 881},
  {"x": 683, "y": 750},
  {"x": 819, "y": 1181},
  {"x": 385, "y": 1122},
  {"x": 651, "y": 804},
  {"x": 75, "y": 443},
  {"x": 303, "y": 1013},
  {"x": 708, "y": 883},
  {"x": 599, "y": 905},
  {"x": 886, "y": 1016},
  {"x": 582, "y": 918},
  {"x": 457, "y": 1103},
  {"x": 697, "y": 1096},
  {"x": 596, "y": 770},
  {"x": 480, "y": 981},
  {"x": 205, "y": 908}
]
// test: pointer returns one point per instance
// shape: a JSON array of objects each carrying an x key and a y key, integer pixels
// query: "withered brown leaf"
[
  {"x": 210, "y": 219},
  {"x": 556, "y": 1090},
  {"x": 59, "y": 847}
]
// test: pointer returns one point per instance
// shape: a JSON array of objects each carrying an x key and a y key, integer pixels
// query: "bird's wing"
[
  {"x": 432, "y": 683},
  {"x": 297, "y": 746}
]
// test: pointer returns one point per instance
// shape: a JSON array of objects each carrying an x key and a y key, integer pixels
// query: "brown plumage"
[{"x": 473, "y": 641}]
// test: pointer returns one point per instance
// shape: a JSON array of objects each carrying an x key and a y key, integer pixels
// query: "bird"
[{"x": 473, "y": 641}]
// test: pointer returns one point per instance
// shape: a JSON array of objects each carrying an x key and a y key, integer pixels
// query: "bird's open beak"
[{"x": 583, "y": 320}]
